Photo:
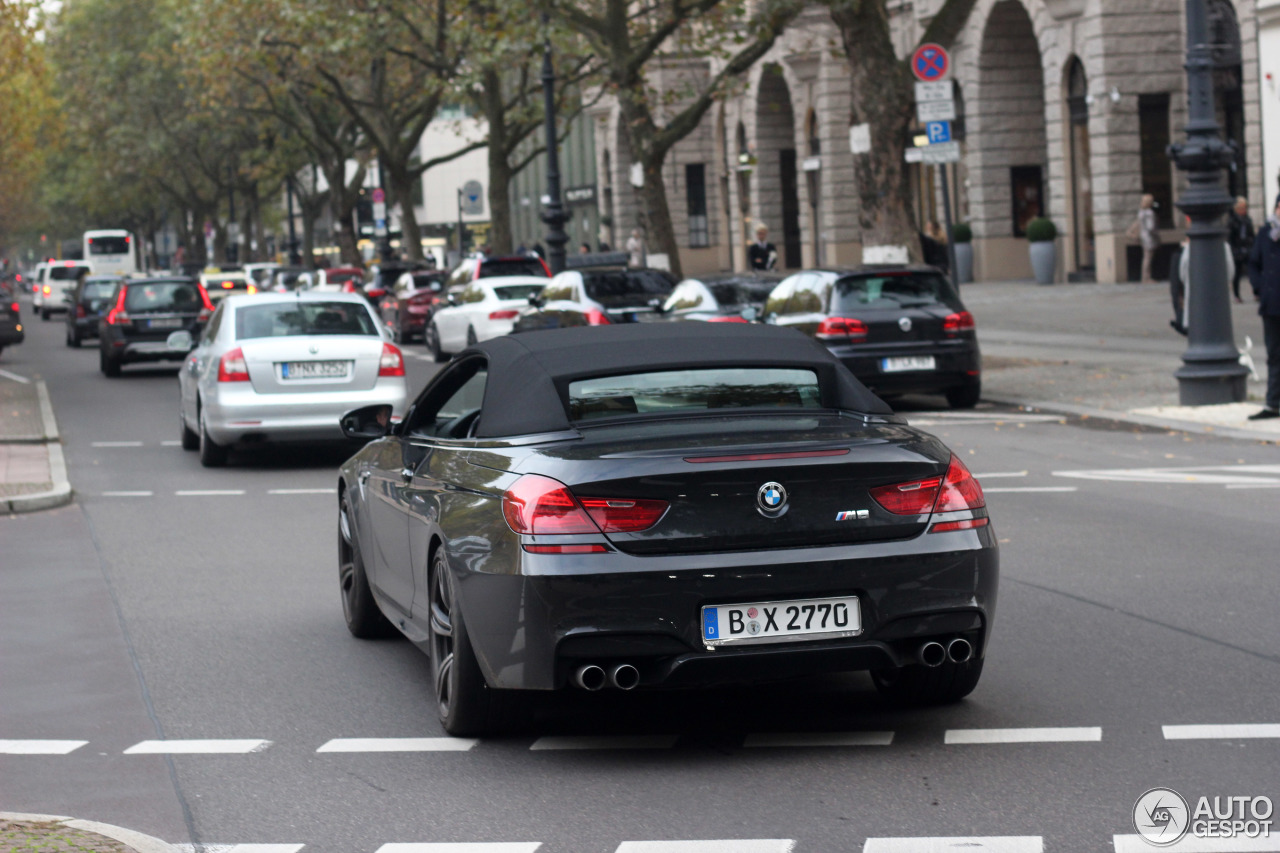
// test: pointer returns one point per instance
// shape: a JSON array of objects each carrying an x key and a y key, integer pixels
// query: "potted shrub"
[
  {"x": 1041, "y": 234},
  {"x": 962, "y": 238}
]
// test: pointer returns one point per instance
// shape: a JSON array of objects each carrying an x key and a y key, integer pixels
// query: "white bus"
[{"x": 110, "y": 252}]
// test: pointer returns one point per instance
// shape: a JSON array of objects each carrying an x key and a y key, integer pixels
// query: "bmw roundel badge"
[{"x": 771, "y": 498}]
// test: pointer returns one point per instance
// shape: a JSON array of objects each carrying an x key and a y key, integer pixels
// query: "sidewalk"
[
  {"x": 57, "y": 834},
  {"x": 33, "y": 472}
]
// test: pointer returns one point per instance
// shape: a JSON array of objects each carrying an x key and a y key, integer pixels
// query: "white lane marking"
[
  {"x": 171, "y": 443},
  {"x": 606, "y": 742},
  {"x": 209, "y": 493},
  {"x": 127, "y": 494},
  {"x": 1253, "y": 485},
  {"x": 116, "y": 444},
  {"x": 40, "y": 747},
  {"x": 1000, "y": 474},
  {"x": 990, "y": 844},
  {"x": 197, "y": 747},
  {"x": 733, "y": 845},
  {"x": 399, "y": 744},
  {"x": 474, "y": 847},
  {"x": 1230, "y": 732},
  {"x": 302, "y": 491},
  {"x": 1191, "y": 844},
  {"x": 15, "y": 377},
  {"x": 239, "y": 848},
  {"x": 1028, "y": 735},
  {"x": 1026, "y": 489},
  {"x": 1211, "y": 475},
  {"x": 803, "y": 739}
]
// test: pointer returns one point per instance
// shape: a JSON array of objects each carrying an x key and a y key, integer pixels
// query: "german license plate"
[
  {"x": 165, "y": 323},
  {"x": 908, "y": 363},
  {"x": 781, "y": 621},
  {"x": 313, "y": 369}
]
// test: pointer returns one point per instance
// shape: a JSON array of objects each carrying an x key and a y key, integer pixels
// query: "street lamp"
[
  {"x": 1211, "y": 372},
  {"x": 553, "y": 214}
]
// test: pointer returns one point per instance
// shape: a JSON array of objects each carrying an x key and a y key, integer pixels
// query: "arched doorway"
[
  {"x": 777, "y": 189},
  {"x": 1228, "y": 86},
  {"x": 1081, "y": 176},
  {"x": 1010, "y": 160}
]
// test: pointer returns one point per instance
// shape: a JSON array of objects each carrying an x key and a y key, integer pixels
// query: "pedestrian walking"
[
  {"x": 635, "y": 249},
  {"x": 1264, "y": 276},
  {"x": 1178, "y": 289},
  {"x": 1148, "y": 234},
  {"x": 762, "y": 255},
  {"x": 1240, "y": 237}
]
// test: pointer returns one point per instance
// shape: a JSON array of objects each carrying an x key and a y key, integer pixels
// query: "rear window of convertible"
[{"x": 680, "y": 391}]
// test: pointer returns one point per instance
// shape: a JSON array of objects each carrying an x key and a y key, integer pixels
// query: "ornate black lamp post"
[
  {"x": 553, "y": 214},
  {"x": 1211, "y": 371}
]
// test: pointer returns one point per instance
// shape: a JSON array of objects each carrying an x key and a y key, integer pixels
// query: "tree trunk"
[
  {"x": 219, "y": 243},
  {"x": 410, "y": 234},
  {"x": 660, "y": 232},
  {"x": 308, "y": 237},
  {"x": 499, "y": 164}
]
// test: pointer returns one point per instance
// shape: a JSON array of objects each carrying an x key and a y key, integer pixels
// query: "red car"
[{"x": 410, "y": 302}]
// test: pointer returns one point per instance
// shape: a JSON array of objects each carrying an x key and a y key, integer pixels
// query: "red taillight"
[
  {"x": 960, "y": 490},
  {"x": 967, "y": 524},
  {"x": 730, "y": 319},
  {"x": 503, "y": 315},
  {"x": 375, "y": 293},
  {"x": 914, "y": 498},
  {"x": 227, "y": 285},
  {"x": 540, "y": 505},
  {"x": 232, "y": 367},
  {"x": 14, "y": 308},
  {"x": 597, "y": 318},
  {"x": 841, "y": 329},
  {"x": 761, "y": 457},
  {"x": 348, "y": 287},
  {"x": 204, "y": 297},
  {"x": 204, "y": 315},
  {"x": 116, "y": 315},
  {"x": 957, "y": 323},
  {"x": 624, "y": 516},
  {"x": 80, "y": 313},
  {"x": 392, "y": 362},
  {"x": 47, "y": 290},
  {"x": 566, "y": 549}
]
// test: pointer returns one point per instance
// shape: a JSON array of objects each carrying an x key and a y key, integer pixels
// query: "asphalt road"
[{"x": 172, "y": 603}]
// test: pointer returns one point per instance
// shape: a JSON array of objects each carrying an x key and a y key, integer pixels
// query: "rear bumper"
[
  {"x": 532, "y": 631},
  {"x": 957, "y": 363},
  {"x": 11, "y": 335},
  {"x": 132, "y": 352},
  {"x": 236, "y": 414}
]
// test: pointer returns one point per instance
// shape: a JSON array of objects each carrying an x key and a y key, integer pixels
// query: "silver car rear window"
[{"x": 284, "y": 319}]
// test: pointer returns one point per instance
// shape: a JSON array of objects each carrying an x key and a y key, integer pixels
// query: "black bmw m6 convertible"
[{"x": 648, "y": 505}]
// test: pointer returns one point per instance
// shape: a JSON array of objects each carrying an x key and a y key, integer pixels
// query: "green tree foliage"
[{"x": 28, "y": 118}]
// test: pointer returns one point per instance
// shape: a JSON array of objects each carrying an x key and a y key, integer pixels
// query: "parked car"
[
  {"x": 284, "y": 367},
  {"x": 260, "y": 273},
  {"x": 485, "y": 309},
  {"x": 53, "y": 280},
  {"x": 478, "y": 267},
  {"x": 86, "y": 304},
  {"x": 142, "y": 313},
  {"x": 11, "y": 331},
  {"x": 408, "y": 305},
  {"x": 333, "y": 280},
  {"x": 675, "y": 504},
  {"x": 899, "y": 329},
  {"x": 722, "y": 298},
  {"x": 284, "y": 279},
  {"x": 219, "y": 285},
  {"x": 595, "y": 297}
]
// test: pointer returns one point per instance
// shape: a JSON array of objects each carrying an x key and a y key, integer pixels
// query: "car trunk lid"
[{"x": 303, "y": 364}]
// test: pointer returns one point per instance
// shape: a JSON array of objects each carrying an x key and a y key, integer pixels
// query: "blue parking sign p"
[{"x": 938, "y": 131}]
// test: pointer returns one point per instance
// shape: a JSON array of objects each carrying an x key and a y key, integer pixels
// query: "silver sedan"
[{"x": 284, "y": 367}]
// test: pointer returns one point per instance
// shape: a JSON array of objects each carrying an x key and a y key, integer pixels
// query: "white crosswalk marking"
[
  {"x": 992, "y": 844},
  {"x": 399, "y": 744},
  {"x": 197, "y": 747},
  {"x": 1241, "y": 732},
  {"x": 1026, "y": 489},
  {"x": 1190, "y": 844},
  {"x": 239, "y": 848},
  {"x": 40, "y": 747},
  {"x": 605, "y": 742},
  {"x": 208, "y": 493},
  {"x": 127, "y": 494},
  {"x": 116, "y": 444},
  {"x": 733, "y": 845},
  {"x": 302, "y": 491},
  {"x": 803, "y": 739},
  {"x": 1028, "y": 735},
  {"x": 1214, "y": 475},
  {"x": 471, "y": 847}
]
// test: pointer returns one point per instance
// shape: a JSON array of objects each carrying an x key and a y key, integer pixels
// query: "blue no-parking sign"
[
  {"x": 930, "y": 62},
  {"x": 938, "y": 131}
]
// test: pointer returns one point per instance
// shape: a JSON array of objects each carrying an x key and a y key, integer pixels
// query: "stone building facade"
[{"x": 1068, "y": 106}]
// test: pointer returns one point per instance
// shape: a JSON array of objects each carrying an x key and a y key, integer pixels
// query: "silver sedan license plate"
[
  {"x": 904, "y": 364},
  {"x": 313, "y": 369},
  {"x": 781, "y": 621}
]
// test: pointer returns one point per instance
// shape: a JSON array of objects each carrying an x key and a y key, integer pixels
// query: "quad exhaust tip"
[
  {"x": 959, "y": 650},
  {"x": 932, "y": 654},
  {"x": 624, "y": 676},
  {"x": 589, "y": 677}
]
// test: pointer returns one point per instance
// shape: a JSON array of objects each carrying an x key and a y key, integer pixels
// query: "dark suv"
[
  {"x": 899, "y": 329},
  {"x": 140, "y": 316},
  {"x": 86, "y": 305},
  {"x": 597, "y": 297}
]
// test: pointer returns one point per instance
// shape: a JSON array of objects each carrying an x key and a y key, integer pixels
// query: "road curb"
[
  {"x": 136, "y": 840},
  {"x": 46, "y": 412},
  {"x": 1138, "y": 420},
  {"x": 61, "y": 493}
]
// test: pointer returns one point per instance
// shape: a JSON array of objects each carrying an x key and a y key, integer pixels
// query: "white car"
[
  {"x": 281, "y": 368},
  {"x": 260, "y": 273},
  {"x": 486, "y": 308},
  {"x": 332, "y": 280},
  {"x": 53, "y": 280}
]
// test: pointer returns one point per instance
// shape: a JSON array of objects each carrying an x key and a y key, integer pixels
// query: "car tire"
[
  {"x": 918, "y": 685},
  {"x": 364, "y": 620},
  {"x": 431, "y": 337},
  {"x": 471, "y": 336},
  {"x": 965, "y": 396},
  {"x": 212, "y": 454},
  {"x": 109, "y": 366},
  {"x": 73, "y": 339},
  {"x": 467, "y": 705},
  {"x": 45, "y": 313},
  {"x": 190, "y": 439}
]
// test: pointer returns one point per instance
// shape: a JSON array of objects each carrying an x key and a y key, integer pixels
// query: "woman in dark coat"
[{"x": 1264, "y": 275}]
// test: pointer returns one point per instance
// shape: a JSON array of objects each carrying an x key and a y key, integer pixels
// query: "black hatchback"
[
  {"x": 900, "y": 329},
  {"x": 86, "y": 303},
  {"x": 141, "y": 315}
]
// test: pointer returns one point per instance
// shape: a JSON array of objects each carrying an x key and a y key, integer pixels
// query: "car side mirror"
[
  {"x": 180, "y": 341},
  {"x": 751, "y": 313},
  {"x": 367, "y": 423},
  {"x": 535, "y": 299}
]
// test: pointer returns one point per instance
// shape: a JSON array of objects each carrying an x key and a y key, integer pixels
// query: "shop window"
[
  {"x": 1027, "y": 183},
  {"x": 695, "y": 182}
]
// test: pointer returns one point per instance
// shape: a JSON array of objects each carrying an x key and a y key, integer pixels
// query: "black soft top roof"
[{"x": 527, "y": 390}]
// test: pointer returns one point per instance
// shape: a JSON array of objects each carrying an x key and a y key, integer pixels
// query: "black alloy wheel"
[
  {"x": 919, "y": 685},
  {"x": 45, "y": 313},
  {"x": 212, "y": 454},
  {"x": 109, "y": 366},
  {"x": 190, "y": 440},
  {"x": 364, "y": 619},
  {"x": 964, "y": 396},
  {"x": 431, "y": 337}
]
